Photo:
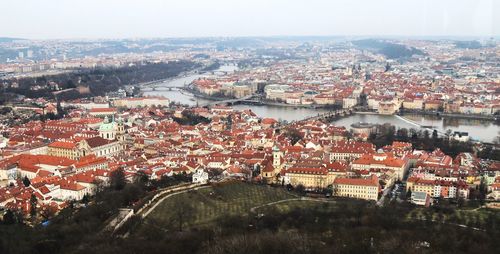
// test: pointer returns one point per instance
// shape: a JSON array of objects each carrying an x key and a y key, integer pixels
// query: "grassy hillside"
[{"x": 208, "y": 204}]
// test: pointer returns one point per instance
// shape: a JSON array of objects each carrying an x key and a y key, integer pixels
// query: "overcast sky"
[{"x": 52, "y": 19}]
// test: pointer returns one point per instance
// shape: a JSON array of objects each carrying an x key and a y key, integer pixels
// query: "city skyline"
[{"x": 222, "y": 18}]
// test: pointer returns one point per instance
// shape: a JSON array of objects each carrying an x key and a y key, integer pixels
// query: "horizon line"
[{"x": 256, "y": 36}]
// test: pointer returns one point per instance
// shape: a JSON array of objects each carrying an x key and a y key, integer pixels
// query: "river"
[{"x": 482, "y": 130}]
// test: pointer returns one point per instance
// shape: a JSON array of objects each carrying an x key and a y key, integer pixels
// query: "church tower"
[
  {"x": 120, "y": 132},
  {"x": 277, "y": 155}
]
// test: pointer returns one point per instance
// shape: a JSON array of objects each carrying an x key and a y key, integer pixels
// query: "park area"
[
  {"x": 223, "y": 217},
  {"x": 211, "y": 205},
  {"x": 203, "y": 206}
]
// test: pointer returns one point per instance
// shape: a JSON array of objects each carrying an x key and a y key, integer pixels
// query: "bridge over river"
[
  {"x": 229, "y": 101},
  {"x": 160, "y": 88},
  {"x": 327, "y": 116}
]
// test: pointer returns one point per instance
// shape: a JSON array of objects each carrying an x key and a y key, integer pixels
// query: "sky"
[{"x": 79, "y": 19}]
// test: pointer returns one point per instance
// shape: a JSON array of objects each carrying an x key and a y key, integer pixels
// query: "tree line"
[{"x": 99, "y": 80}]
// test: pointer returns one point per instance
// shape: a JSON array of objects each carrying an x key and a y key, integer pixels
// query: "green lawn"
[
  {"x": 318, "y": 204},
  {"x": 210, "y": 203},
  {"x": 472, "y": 217}
]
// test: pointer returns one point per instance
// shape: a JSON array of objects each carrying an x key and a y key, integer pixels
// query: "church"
[
  {"x": 112, "y": 130},
  {"x": 109, "y": 143}
]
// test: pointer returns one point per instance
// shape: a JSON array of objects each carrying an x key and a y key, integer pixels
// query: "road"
[
  {"x": 175, "y": 191},
  {"x": 291, "y": 199},
  {"x": 380, "y": 202}
]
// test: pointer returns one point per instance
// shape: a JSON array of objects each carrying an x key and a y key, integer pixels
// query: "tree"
[
  {"x": 60, "y": 111},
  {"x": 117, "y": 179},
  {"x": 402, "y": 134},
  {"x": 26, "y": 181},
  {"x": 483, "y": 190},
  {"x": 141, "y": 178},
  {"x": 329, "y": 190},
  {"x": 426, "y": 134},
  {"x": 70, "y": 84},
  {"x": 434, "y": 135},
  {"x": 33, "y": 203},
  {"x": 408, "y": 194},
  {"x": 293, "y": 135},
  {"x": 9, "y": 218},
  {"x": 229, "y": 124},
  {"x": 300, "y": 189},
  {"x": 183, "y": 209},
  {"x": 85, "y": 199}
]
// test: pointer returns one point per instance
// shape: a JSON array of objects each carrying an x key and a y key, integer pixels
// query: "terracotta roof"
[
  {"x": 102, "y": 110},
  {"x": 98, "y": 141},
  {"x": 372, "y": 181},
  {"x": 368, "y": 159},
  {"x": 63, "y": 145},
  {"x": 309, "y": 171}
]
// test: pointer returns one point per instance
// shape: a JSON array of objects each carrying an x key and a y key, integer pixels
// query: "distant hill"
[
  {"x": 388, "y": 49},
  {"x": 9, "y": 39},
  {"x": 468, "y": 44},
  {"x": 239, "y": 42}
]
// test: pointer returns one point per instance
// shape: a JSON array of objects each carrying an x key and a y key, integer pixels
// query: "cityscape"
[{"x": 225, "y": 142}]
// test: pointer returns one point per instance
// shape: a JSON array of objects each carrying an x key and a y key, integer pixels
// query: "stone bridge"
[{"x": 327, "y": 116}]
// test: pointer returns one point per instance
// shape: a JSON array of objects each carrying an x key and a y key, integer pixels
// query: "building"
[
  {"x": 108, "y": 130},
  {"x": 380, "y": 160},
  {"x": 349, "y": 102},
  {"x": 348, "y": 150},
  {"x": 32, "y": 166},
  {"x": 362, "y": 188},
  {"x": 137, "y": 102},
  {"x": 460, "y": 136},
  {"x": 387, "y": 108},
  {"x": 68, "y": 150},
  {"x": 363, "y": 128},
  {"x": 200, "y": 176},
  {"x": 313, "y": 174},
  {"x": 100, "y": 147},
  {"x": 438, "y": 188},
  {"x": 420, "y": 198},
  {"x": 310, "y": 178},
  {"x": 102, "y": 112}
]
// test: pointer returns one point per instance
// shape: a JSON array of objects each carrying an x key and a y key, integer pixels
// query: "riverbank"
[
  {"x": 186, "y": 74},
  {"x": 451, "y": 115}
]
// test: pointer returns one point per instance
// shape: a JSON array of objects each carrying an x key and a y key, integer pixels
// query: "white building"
[{"x": 200, "y": 176}]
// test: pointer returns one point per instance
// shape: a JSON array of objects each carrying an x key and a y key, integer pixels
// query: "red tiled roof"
[
  {"x": 98, "y": 141},
  {"x": 372, "y": 181},
  {"x": 63, "y": 145},
  {"x": 102, "y": 110}
]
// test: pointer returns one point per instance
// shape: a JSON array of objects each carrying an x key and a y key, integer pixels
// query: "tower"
[
  {"x": 120, "y": 132},
  {"x": 277, "y": 155}
]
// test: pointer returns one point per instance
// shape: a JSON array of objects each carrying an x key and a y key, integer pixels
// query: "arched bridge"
[
  {"x": 228, "y": 102},
  {"x": 327, "y": 116}
]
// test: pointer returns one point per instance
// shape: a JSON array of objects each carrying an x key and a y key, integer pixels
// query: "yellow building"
[
  {"x": 420, "y": 185},
  {"x": 362, "y": 188},
  {"x": 315, "y": 177},
  {"x": 413, "y": 104},
  {"x": 64, "y": 149},
  {"x": 310, "y": 178}
]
